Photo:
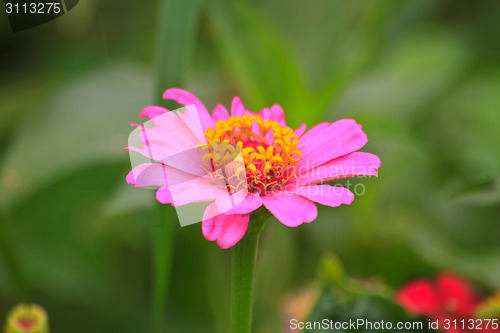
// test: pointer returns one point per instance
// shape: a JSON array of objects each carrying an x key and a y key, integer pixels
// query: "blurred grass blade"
[
  {"x": 178, "y": 21},
  {"x": 177, "y": 26},
  {"x": 163, "y": 247},
  {"x": 260, "y": 58},
  {"x": 11, "y": 260}
]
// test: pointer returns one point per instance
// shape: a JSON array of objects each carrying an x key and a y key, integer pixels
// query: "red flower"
[{"x": 450, "y": 297}]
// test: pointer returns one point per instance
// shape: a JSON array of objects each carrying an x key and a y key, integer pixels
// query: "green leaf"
[{"x": 364, "y": 310}]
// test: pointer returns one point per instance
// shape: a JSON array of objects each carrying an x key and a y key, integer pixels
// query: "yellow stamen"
[{"x": 266, "y": 163}]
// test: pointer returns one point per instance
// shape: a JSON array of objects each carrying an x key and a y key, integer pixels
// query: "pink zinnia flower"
[{"x": 284, "y": 169}]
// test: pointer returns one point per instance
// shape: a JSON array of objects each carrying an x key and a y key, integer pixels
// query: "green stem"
[
  {"x": 242, "y": 277},
  {"x": 163, "y": 243}
]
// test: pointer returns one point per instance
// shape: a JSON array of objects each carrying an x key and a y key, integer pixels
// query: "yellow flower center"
[
  {"x": 27, "y": 318},
  {"x": 269, "y": 151}
]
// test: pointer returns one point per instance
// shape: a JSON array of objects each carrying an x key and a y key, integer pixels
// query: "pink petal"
[
  {"x": 201, "y": 189},
  {"x": 176, "y": 187},
  {"x": 147, "y": 174},
  {"x": 255, "y": 128},
  {"x": 152, "y": 112},
  {"x": 210, "y": 229},
  {"x": 350, "y": 165},
  {"x": 168, "y": 136},
  {"x": 327, "y": 195},
  {"x": 340, "y": 138},
  {"x": 156, "y": 174},
  {"x": 193, "y": 121},
  {"x": 300, "y": 130},
  {"x": 186, "y": 98},
  {"x": 242, "y": 203},
  {"x": 171, "y": 141},
  {"x": 227, "y": 230},
  {"x": 219, "y": 113},
  {"x": 189, "y": 161},
  {"x": 314, "y": 131},
  {"x": 275, "y": 113},
  {"x": 164, "y": 196},
  {"x": 169, "y": 124},
  {"x": 290, "y": 209},
  {"x": 237, "y": 108}
]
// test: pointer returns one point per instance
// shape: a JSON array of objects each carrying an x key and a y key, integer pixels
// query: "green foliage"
[
  {"x": 370, "y": 308},
  {"x": 355, "y": 304}
]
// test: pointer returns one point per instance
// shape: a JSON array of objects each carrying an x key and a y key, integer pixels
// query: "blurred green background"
[{"x": 421, "y": 76}]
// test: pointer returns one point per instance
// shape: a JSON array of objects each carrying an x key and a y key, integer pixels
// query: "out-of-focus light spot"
[{"x": 11, "y": 179}]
